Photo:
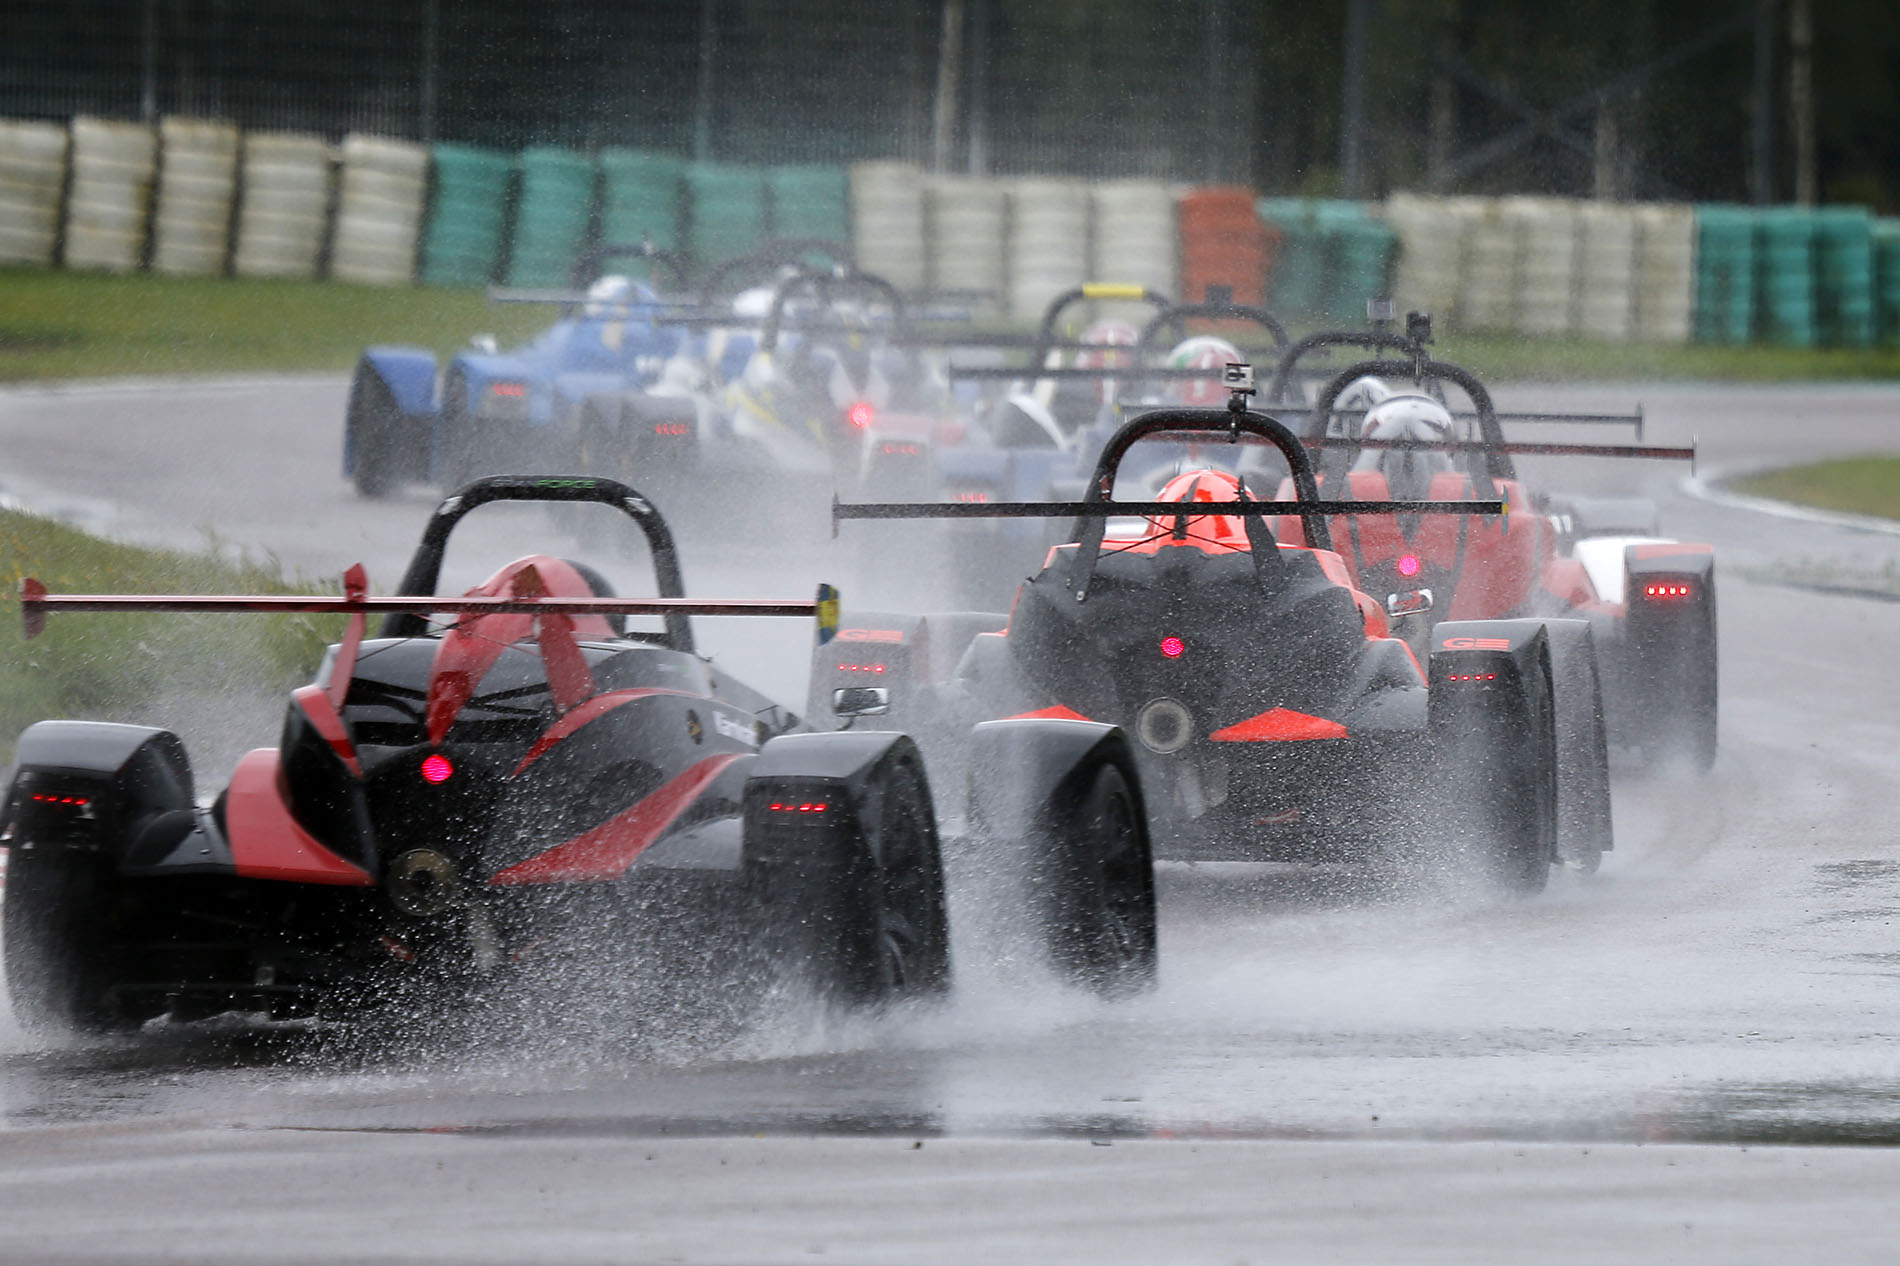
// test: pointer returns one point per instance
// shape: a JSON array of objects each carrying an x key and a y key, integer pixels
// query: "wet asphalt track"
[{"x": 1693, "y": 1056}]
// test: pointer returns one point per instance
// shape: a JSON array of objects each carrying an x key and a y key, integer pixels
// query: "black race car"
[
  {"x": 513, "y": 779},
  {"x": 1277, "y": 717}
]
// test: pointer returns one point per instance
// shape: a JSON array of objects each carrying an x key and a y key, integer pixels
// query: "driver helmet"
[
  {"x": 609, "y": 297},
  {"x": 1406, "y": 420},
  {"x": 1203, "y": 351},
  {"x": 1210, "y": 531}
]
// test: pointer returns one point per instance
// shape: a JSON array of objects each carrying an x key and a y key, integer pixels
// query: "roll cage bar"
[{"x": 425, "y": 565}]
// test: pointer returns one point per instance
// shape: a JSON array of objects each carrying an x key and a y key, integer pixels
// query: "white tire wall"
[
  {"x": 1433, "y": 239},
  {"x": 1546, "y": 264},
  {"x": 108, "y": 205},
  {"x": 197, "y": 185},
  {"x": 887, "y": 222},
  {"x": 968, "y": 222},
  {"x": 283, "y": 206},
  {"x": 1136, "y": 240},
  {"x": 1664, "y": 289},
  {"x": 1048, "y": 242},
  {"x": 32, "y": 176},
  {"x": 1606, "y": 270},
  {"x": 379, "y": 210},
  {"x": 1487, "y": 290}
]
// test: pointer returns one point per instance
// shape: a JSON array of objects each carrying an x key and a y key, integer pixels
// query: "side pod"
[{"x": 122, "y": 790}]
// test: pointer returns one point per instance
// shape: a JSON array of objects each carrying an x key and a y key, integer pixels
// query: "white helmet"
[
  {"x": 609, "y": 297},
  {"x": 1406, "y": 420}
]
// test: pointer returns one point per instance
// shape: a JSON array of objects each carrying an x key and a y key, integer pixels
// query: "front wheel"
[{"x": 1095, "y": 888}]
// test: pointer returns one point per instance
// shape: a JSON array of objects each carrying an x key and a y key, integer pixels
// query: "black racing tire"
[
  {"x": 1585, "y": 830},
  {"x": 462, "y": 461},
  {"x": 1093, "y": 887},
  {"x": 58, "y": 971},
  {"x": 374, "y": 423},
  {"x": 862, "y": 907},
  {"x": 1497, "y": 781}
]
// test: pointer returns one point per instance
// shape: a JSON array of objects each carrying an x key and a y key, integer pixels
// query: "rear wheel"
[
  {"x": 857, "y": 897},
  {"x": 1584, "y": 828},
  {"x": 58, "y": 968},
  {"x": 373, "y": 423},
  {"x": 1496, "y": 755}
]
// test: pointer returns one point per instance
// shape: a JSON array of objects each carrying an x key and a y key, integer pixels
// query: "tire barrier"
[
  {"x": 1048, "y": 250},
  {"x": 1663, "y": 288},
  {"x": 283, "y": 204},
  {"x": 968, "y": 221},
  {"x": 462, "y": 245},
  {"x": 109, "y": 203},
  {"x": 725, "y": 212},
  {"x": 379, "y": 210},
  {"x": 117, "y": 196},
  {"x": 32, "y": 174},
  {"x": 1844, "y": 276},
  {"x": 1137, "y": 240},
  {"x": 1887, "y": 280},
  {"x": 1725, "y": 268},
  {"x": 642, "y": 196},
  {"x": 551, "y": 217},
  {"x": 887, "y": 222},
  {"x": 811, "y": 202},
  {"x": 1546, "y": 275},
  {"x": 1223, "y": 243},
  {"x": 197, "y": 187}
]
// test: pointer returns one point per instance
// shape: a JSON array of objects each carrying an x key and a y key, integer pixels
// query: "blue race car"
[{"x": 519, "y": 410}]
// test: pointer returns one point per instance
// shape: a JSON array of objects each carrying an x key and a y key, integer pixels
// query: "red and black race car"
[
  {"x": 1650, "y": 599},
  {"x": 513, "y": 779},
  {"x": 1276, "y": 714}
]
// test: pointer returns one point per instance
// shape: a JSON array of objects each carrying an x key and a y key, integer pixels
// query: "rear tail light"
[
  {"x": 1471, "y": 676},
  {"x": 798, "y": 806},
  {"x": 1408, "y": 565},
  {"x": 1173, "y": 647},
  {"x": 972, "y": 495},
  {"x": 508, "y": 390},
  {"x": 899, "y": 449},
  {"x": 1668, "y": 589},
  {"x": 860, "y": 415},
  {"x": 860, "y": 668},
  {"x": 672, "y": 428},
  {"x": 436, "y": 768}
]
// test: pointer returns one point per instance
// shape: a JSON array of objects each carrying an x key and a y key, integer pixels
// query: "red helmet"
[{"x": 1209, "y": 531}]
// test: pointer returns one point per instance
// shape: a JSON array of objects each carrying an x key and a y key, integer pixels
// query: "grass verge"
[
  {"x": 111, "y": 666},
  {"x": 1854, "y": 485},
  {"x": 78, "y": 325}
]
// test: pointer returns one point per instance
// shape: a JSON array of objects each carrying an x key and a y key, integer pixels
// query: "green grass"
[
  {"x": 76, "y": 325},
  {"x": 79, "y": 325},
  {"x": 110, "y": 666},
  {"x": 1854, "y": 485}
]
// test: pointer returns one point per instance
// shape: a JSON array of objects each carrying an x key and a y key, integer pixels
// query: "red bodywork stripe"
[
  {"x": 266, "y": 842},
  {"x": 1279, "y": 725},
  {"x": 318, "y": 705},
  {"x": 606, "y": 852},
  {"x": 1055, "y": 713},
  {"x": 586, "y": 712}
]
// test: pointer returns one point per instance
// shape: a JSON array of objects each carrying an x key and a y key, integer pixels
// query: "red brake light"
[
  {"x": 78, "y": 802},
  {"x": 1173, "y": 647},
  {"x": 860, "y": 414},
  {"x": 1408, "y": 565},
  {"x": 860, "y": 668},
  {"x": 672, "y": 428},
  {"x": 795, "y": 806},
  {"x": 512, "y": 390},
  {"x": 1471, "y": 676},
  {"x": 436, "y": 768},
  {"x": 970, "y": 494},
  {"x": 1668, "y": 591},
  {"x": 902, "y": 450}
]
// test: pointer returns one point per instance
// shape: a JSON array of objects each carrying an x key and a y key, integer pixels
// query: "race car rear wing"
[{"x": 36, "y": 603}]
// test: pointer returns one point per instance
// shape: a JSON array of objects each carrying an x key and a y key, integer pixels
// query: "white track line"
[{"x": 1705, "y": 488}]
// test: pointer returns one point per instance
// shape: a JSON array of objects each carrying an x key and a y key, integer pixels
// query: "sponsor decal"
[
  {"x": 1477, "y": 644},
  {"x": 694, "y": 730},
  {"x": 870, "y": 635},
  {"x": 738, "y": 731}
]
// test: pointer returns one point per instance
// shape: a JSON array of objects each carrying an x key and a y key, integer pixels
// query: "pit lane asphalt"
[{"x": 1691, "y": 1056}]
